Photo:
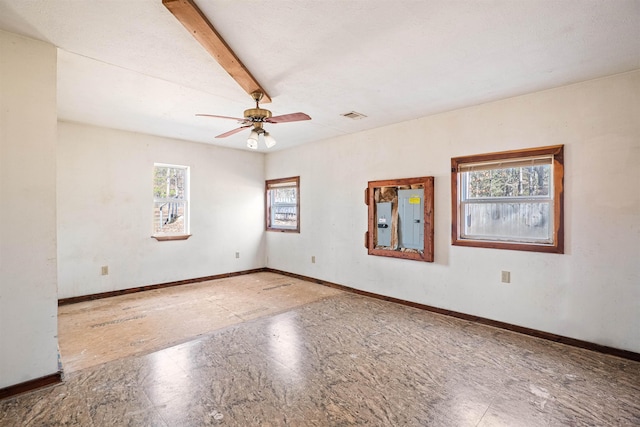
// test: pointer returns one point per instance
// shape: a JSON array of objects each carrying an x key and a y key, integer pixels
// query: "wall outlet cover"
[{"x": 506, "y": 277}]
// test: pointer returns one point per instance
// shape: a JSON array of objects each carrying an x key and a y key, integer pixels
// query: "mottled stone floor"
[{"x": 345, "y": 360}]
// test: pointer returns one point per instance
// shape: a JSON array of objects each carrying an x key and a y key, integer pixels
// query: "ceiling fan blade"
[
  {"x": 293, "y": 117},
  {"x": 199, "y": 26},
  {"x": 222, "y": 117},
  {"x": 231, "y": 132}
]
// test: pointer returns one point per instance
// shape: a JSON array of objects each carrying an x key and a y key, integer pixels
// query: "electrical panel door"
[
  {"x": 383, "y": 219},
  {"x": 411, "y": 218}
]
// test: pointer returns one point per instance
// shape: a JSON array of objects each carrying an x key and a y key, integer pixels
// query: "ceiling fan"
[
  {"x": 256, "y": 117},
  {"x": 199, "y": 26}
]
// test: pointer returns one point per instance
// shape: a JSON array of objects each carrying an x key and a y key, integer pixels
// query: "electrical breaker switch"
[{"x": 383, "y": 218}]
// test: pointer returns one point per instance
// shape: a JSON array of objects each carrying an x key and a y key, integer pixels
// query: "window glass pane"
[
  {"x": 522, "y": 222},
  {"x": 284, "y": 195},
  {"x": 169, "y": 217},
  {"x": 528, "y": 181},
  {"x": 284, "y": 207},
  {"x": 169, "y": 183}
]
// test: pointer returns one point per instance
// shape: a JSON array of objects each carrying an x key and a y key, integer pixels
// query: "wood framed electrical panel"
[{"x": 400, "y": 218}]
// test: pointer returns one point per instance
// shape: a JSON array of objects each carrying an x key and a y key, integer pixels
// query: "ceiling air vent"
[{"x": 355, "y": 116}]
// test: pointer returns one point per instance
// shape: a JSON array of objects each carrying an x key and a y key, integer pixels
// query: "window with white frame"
[
  {"x": 170, "y": 202},
  {"x": 283, "y": 204},
  {"x": 509, "y": 200}
]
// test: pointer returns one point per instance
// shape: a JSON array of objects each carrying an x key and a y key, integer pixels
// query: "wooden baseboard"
[
  {"x": 625, "y": 354},
  {"x": 31, "y": 385},
  {"x": 82, "y": 298}
]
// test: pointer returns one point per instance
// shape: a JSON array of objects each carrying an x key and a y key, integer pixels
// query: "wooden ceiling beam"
[{"x": 199, "y": 26}]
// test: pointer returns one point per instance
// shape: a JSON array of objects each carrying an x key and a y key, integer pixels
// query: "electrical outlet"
[
  {"x": 237, "y": 254},
  {"x": 506, "y": 277},
  {"x": 105, "y": 270},
  {"x": 313, "y": 259}
]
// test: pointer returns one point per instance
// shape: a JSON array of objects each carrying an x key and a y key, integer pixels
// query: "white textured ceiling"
[{"x": 129, "y": 64}]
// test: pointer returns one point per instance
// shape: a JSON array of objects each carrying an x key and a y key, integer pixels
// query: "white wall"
[
  {"x": 28, "y": 294},
  {"x": 592, "y": 292},
  {"x": 105, "y": 202}
]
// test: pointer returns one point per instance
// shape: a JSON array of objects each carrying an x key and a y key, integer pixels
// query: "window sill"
[
  {"x": 554, "y": 248},
  {"x": 284, "y": 230},
  {"x": 165, "y": 238}
]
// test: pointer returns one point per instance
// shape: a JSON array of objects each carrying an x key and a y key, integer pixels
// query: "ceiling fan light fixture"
[
  {"x": 252, "y": 142},
  {"x": 269, "y": 141},
  {"x": 255, "y": 118}
]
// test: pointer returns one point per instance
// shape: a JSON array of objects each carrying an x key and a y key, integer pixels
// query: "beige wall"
[
  {"x": 28, "y": 294},
  {"x": 590, "y": 293},
  {"x": 105, "y": 202}
]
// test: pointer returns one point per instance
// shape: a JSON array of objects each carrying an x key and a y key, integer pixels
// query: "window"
[
  {"x": 283, "y": 204},
  {"x": 170, "y": 202},
  {"x": 509, "y": 200}
]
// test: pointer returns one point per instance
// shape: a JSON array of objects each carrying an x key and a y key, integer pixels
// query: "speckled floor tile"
[{"x": 345, "y": 360}]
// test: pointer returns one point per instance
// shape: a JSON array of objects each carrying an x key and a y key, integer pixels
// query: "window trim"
[
  {"x": 557, "y": 246},
  {"x": 163, "y": 236},
  {"x": 273, "y": 183}
]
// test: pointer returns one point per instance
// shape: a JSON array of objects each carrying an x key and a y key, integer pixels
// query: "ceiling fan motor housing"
[{"x": 257, "y": 114}]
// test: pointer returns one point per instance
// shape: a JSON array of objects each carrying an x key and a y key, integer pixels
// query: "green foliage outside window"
[
  {"x": 168, "y": 182},
  {"x": 509, "y": 182}
]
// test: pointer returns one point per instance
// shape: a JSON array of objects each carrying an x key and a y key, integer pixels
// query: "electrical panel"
[
  {"x": 383, "y": 220},
  {"x": 411, "y": 218}
]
